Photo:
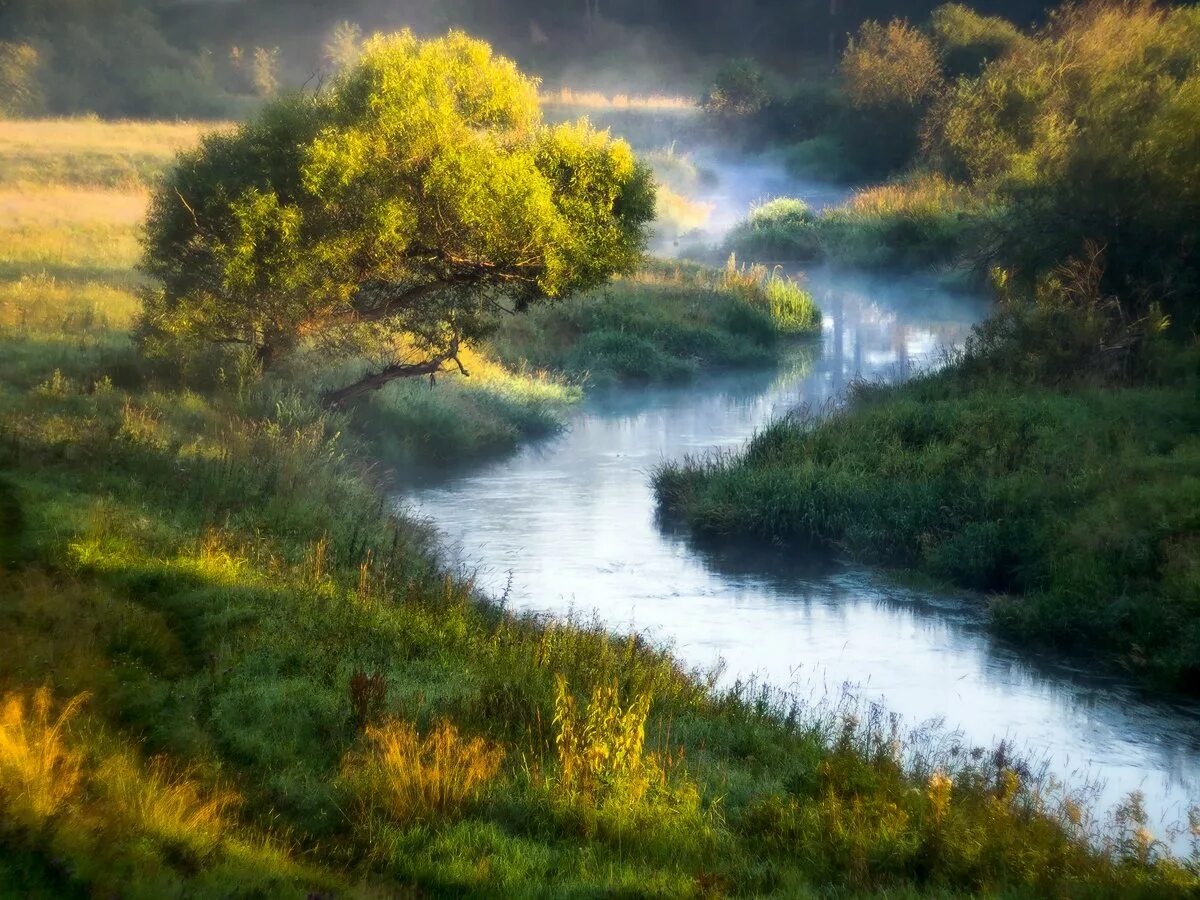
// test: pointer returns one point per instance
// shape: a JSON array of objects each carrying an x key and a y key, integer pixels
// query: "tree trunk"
[{"x": 368, "y": 383}]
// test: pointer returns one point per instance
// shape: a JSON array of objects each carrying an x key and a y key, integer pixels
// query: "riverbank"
[
  {"x": 1070, "y": 503},
  {"x": 257, "y": 679}
]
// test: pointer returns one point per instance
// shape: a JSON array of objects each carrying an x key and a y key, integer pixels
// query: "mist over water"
[{"x": 570, "y": 527}]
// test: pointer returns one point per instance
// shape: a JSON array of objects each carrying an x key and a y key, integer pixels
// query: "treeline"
[
  {"x": 201, "y": 58},
  {"x": 1021, "y": 150}
]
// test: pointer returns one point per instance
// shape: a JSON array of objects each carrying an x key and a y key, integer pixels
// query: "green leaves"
[{"x": 422, "y": 188}]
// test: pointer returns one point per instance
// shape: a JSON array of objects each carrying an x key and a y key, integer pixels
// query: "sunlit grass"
[
  {"x": 409, "y": 777},
  {"x": 39, "y": 773},
  {"x": 920, "y": 221},
  {"x": 91, "y": 152},
  {"x": 586, "y": 99}
]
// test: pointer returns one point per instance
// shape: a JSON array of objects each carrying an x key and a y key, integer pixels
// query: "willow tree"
[{"x": 399, "y": 208}]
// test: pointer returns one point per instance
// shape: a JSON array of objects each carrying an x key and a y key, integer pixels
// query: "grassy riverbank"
[
  {"x": 1069, "y": 500},
  {"x": 227, "y": 669}
]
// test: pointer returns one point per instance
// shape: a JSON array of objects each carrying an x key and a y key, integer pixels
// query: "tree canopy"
[{"x": 399, "y": 207}]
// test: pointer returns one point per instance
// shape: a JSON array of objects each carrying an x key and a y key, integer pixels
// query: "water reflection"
[{"x": 574, "y": 522}]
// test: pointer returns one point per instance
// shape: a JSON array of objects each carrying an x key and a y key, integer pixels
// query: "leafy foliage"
[
  {"x": 968, "y": 41},
  {"x": 1086, "y": 133},
  {"x": 738, "y": 89},
  {"x": 20, "y": 91},
  {"x": 356, "y": 216}
]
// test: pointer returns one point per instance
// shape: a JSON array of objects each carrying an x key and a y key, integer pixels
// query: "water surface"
[{"x": 569, "y": 527}]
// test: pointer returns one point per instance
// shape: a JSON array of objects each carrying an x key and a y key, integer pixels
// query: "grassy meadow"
[{"x": 228, "y": 669}]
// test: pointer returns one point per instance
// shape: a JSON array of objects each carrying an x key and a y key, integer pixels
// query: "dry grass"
[
  {"x": 38, "y": 772},
  {"x": 60, "y": 206},
  {"x": 91, "y": 152},
  {"x": 597, "y": 100},
  {"x": 409, "y": 778}
]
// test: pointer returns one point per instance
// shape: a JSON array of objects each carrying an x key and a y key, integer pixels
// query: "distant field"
[{"x": 91, "y": 152}]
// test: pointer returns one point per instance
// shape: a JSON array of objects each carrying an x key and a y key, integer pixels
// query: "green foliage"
[
  {"x": 781, "y": 229},
  {"x": 1081, "y": 134},
  {"x": 968, "y": 41},
  {"x": 20, "y": 90},
  {"x": 739, "y": 89},
  {"x": 670, "y": 322},
  {"x": 111, "y": 58},
  {"x": 357, "y": 215}
]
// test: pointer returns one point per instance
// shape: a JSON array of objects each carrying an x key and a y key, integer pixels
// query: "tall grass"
[
  {"x": 39, "y": 773},
  {"x": 919, "y": 222},
  {"x": 410, "y": 778},
  {"x": 668, "y": 322}
]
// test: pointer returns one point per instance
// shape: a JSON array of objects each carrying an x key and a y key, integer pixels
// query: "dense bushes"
[{"x": 1087, "y": 133}]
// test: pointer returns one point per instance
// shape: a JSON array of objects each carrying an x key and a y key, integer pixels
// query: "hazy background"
[{"x": 209, "y": 58}]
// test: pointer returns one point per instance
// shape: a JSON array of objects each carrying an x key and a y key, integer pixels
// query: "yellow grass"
[
  {"x": 596, "y": 100},
  {"x": 38, "y": 772},
  {"x": 92, "y": 152},
  {"x": 58, "y": 206},
  {"x": 56, "y": 136},
  {"x": 409, "y": 778}
]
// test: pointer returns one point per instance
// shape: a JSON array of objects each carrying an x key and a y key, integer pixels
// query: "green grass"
[
  {"x": 670, "y": 322},
  {"x": 1076, "y": 507},
  {"x": 919, "y": 223},
  {"x": 206, "y": 564}
]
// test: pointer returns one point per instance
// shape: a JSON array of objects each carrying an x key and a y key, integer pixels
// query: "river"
[{"x": 568, "y": 526}]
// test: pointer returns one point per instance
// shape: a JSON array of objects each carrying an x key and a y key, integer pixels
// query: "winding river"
[{"x": 568, "y": 527}]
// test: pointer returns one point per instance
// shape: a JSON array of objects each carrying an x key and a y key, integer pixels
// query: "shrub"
[
  {"x": 739, "y": 90},
  {"x": 967, "y": 41},
  {"x": 891, "y": 66},
  {"x": 890, "y": 76},
  {"x": 1085, "y": 132},
  {"x": 600, "y": 746},
  {"x": 779, "y": 229},
  {"x": 20, "y": 92},
  {"x": 408, "y": 778}
]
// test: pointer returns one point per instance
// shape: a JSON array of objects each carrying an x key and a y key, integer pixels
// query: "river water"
[{"x": 568, "y": 527}]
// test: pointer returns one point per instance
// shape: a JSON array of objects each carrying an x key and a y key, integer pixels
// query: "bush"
[
  {"x": 781, "y": 229},
  {"x": 890, "y": 75},
  {"x": 739, "y": 90},
  {"x": 967, "y": 41},
  {"x": 891, "y": 66},
  {"x": 1080, "y": 134},
  {"x": 919, "y": 222},
  {"x": 20, "y": 90}
]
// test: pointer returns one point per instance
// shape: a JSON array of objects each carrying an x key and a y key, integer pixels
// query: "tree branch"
[{"x": 374, "y": 381}]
